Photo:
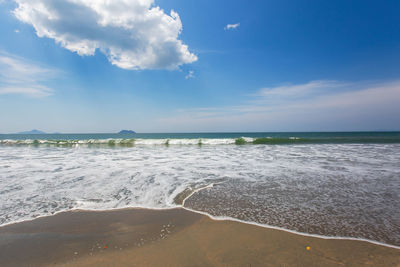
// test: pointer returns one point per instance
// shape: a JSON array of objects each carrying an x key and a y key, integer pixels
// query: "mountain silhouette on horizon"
[{"x": 34, "y": 131}]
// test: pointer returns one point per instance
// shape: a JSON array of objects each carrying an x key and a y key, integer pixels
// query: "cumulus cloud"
[
  {"x": 133, "y": 34},
  {"x": 231, "y": 26},
  {"x": 18, "y": 76}
]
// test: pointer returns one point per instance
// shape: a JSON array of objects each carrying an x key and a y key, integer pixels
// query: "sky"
[{"x": 85, "y": 66}]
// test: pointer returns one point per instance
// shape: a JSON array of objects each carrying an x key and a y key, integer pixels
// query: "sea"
[{"x": 328, "y": 184}]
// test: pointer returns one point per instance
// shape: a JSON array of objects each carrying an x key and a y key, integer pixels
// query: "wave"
[
  {"x": 112, "y": 142},
  {"x": 121, "y": 142}
]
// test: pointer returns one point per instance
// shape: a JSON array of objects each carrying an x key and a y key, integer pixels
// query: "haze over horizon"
[
  {"x": 35, "y": 131},
  {"x": 163, "y": 66}
]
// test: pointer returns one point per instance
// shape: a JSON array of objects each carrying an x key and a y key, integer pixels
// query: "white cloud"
[
  {"x": 133, "y": 34},
  {"x": 231, "y": 26},
  {"x": 313, "y": 106},
  {"x": 298, "y": 89},
  {"x": 190, "y": 75},
  {"x": 18, "y": 76}
]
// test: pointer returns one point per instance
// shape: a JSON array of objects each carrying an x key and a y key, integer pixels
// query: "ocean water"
[
  {"x": 332, "y": 184},
  {"x": 205, "y": 138}
]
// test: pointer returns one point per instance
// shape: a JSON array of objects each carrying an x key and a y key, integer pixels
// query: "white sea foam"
[
  {"x": 182, "y": 141},
  {"x": 37, "y": 181}
]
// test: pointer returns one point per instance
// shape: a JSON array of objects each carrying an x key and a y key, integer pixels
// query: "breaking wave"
[{"x": 111, "y": 142}]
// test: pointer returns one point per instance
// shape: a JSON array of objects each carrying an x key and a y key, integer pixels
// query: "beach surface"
[{"x": 174, "y": 237}]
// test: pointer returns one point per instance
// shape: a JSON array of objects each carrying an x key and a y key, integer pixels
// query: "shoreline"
[
  {"x": 181, "y": 205},
  {"x": 69, "y": 238},
  {"x": 214, "y": 218},
  {"x": 226, "y": 218}
]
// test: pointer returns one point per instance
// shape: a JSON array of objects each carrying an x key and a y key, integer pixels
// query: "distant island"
[
  {"x": 126, "y": 132},
  {"x": 34, "y": 131}
]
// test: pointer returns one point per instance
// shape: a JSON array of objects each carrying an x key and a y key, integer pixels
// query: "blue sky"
[{"x": 85, "y": 66}]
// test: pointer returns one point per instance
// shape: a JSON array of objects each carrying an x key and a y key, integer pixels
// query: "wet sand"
[{"x": 176, "y": 237}]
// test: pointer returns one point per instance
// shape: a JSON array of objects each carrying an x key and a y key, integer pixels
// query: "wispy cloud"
[
  {"x": 232, "y": 26},
  {"x": 190, "y": 75},
  {"x": 19, "y": 76},
  {"x": 291, "y": 90},
  {"x": 317, "y": 105}
]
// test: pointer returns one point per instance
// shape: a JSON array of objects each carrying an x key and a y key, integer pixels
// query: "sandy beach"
[{"x": 175, "y": 237}]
